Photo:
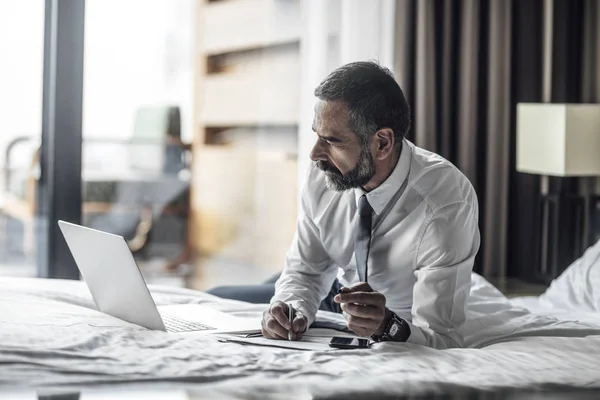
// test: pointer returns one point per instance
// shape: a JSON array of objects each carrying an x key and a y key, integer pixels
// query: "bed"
[{"x": 51, "y": 336}]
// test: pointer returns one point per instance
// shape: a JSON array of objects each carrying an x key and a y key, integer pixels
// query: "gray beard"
[{"x": 357, "y": 177}]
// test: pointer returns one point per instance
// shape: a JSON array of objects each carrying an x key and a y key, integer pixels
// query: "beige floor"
[
  {"x": 205, "y": 274},
  {"x": 202, "y": 275}
]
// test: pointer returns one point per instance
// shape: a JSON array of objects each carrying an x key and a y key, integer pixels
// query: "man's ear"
[{"x": 385, "y": 141}]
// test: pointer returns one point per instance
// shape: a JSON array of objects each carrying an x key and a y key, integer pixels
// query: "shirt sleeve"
[
  {"x": 309, "y": 273},
  {"x": 444, "y": 262}
]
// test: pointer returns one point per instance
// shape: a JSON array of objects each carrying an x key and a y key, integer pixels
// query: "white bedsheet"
[{"x": 51, "y": 334}]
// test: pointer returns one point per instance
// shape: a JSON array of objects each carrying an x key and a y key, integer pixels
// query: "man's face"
[{"x": 338, "y": 151}]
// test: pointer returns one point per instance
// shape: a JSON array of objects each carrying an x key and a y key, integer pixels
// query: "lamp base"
[
  {"x": 562, "y": 239},
  {"x": 594, "y": 220}
]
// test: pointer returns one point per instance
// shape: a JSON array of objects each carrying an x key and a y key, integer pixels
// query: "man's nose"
[{"x": 317, "y": 153}]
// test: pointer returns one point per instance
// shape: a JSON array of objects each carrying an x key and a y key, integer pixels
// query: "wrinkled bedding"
[{"x": 51, "y": 335}]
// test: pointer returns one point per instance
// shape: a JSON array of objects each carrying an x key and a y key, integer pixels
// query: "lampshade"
[{"x": 558, "y": 139}]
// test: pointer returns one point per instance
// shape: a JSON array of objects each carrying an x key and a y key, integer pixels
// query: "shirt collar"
[{"x": 380, "y": 196}]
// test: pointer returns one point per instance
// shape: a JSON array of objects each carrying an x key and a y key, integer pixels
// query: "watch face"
[{"x": 394, "y": 329}]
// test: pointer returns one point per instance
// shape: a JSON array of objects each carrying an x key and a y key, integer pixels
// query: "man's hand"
[
  {"x": 276, "y": 325},
  {"x": 364, "y": 309}
]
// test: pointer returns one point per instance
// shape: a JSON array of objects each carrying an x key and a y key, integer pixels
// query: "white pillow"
[{"x": 578, "y": 287}]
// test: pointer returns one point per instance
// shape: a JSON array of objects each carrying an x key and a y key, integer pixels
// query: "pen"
[{"x": 291, "y": 315}]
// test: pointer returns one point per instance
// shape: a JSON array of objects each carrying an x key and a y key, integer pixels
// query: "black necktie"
[{"x": 362, "y": 237}]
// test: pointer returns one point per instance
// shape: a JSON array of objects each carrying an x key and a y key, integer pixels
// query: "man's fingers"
[
  {"x": 270, "y": 335},
  {"x": 299, "y": 324},
  {"x": 361, "y": 326},
  {"x": 368, "y": 312},
  {"x": 357, "y": 322},
  {"x": 362, "y": 332},
  {"x": 266, "y": 334},
  {"x": 279, "y": 312},
  {"x": 344, "y": 289},
  {"x": 276, "y": 323},
  {"x": 271, "y": 328},
  {"x": 361, "y": 287},
  {"x": 274, "y": 329},
  {"x": 370, "y": 299}
]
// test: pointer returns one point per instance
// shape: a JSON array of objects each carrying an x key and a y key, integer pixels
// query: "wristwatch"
[{"x": 396, "y": 330}]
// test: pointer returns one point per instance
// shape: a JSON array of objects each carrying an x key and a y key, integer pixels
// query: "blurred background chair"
[
  {"x": 137, "y": 188},
  {"x": 17, "y": 212}
]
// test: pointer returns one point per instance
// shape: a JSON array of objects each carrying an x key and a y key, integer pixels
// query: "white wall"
[
  {"x": 367, "y": 31},
  {"x": 137, "y": 52},
  {"x": 21, "y": 57},
  {"x": 319, "y": 55},
  {"x": 337, "y": 32}
]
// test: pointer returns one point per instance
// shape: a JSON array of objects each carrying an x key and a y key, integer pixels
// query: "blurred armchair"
[
  {"x": 19, "y": 177},
  {"x": 137, "y": 188}
]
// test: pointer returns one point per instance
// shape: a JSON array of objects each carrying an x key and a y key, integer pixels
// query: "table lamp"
[{"x": 561, "y": 140}]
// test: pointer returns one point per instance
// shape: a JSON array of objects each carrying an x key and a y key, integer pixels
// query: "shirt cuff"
[{"x": 416, "y": 335}]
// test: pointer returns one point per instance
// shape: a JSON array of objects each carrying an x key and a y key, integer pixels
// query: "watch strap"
[{"x": 401, "y": 336}]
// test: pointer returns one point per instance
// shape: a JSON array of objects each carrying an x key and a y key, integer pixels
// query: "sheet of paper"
[
  {"x": 307, "y": 343},
  {"x": 314, "y": 340}
]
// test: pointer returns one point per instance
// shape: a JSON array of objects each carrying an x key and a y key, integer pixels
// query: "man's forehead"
[
  {"x": 336, "y": 107},
  {"x": 331, "y": 115}
]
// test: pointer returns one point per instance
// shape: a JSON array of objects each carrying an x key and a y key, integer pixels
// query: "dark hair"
[{"x": 372, "y": 95}]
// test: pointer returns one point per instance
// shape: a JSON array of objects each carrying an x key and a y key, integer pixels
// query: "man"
[{"x": 396, "y": 224}]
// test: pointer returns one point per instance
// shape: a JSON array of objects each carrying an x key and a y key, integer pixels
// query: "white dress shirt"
[{"x": 423, "y": 244}]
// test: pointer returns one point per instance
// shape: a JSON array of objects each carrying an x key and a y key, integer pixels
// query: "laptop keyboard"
[{"x": 179, "y": 325}]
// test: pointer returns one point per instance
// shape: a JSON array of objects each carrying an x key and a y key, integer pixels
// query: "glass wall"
[
  {"x": 138, "y": 127},
  {"x": 21, "y": 71}
]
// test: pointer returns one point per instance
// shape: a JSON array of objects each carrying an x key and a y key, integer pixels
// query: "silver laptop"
[{"x": 118, "y": 288}]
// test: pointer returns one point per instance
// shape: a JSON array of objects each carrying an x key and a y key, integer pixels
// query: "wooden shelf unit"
[{"x": 244, "y": 174}]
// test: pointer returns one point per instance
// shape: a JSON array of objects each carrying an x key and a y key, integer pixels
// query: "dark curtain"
[{"x": 464, "y": 66}]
